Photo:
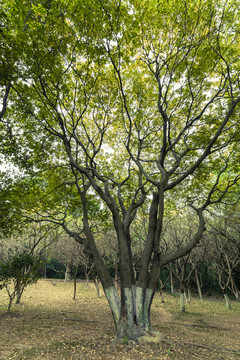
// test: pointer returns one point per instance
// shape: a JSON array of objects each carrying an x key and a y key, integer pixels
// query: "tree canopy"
[{"x": 135, "y": 104}]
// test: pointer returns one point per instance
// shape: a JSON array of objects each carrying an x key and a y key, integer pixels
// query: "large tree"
[{"x": 137, "y": 103}]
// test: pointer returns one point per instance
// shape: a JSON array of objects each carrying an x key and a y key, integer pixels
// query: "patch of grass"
[
  {"x": 171, "y": 353},
  {"x": 21, "y": 353},
  {"x": 172, "y": 295},
  {"x": 65, "y": 344},
  {"x": 125, "y": 340},
  {"x": 161, "y": 328},
  {"x": 187, "y": 315}
]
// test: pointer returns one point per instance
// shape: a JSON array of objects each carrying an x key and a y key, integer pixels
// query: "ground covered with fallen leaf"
[{"x": 49, "y": 324}]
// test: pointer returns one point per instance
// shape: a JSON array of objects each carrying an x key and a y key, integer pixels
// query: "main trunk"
[
  {"x": 135, "y": 301},
  {"x": 135, "y": 308},
  {"x": 131, "y": 310}
]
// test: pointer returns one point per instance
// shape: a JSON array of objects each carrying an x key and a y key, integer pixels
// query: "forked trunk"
[
  {"x": 10, "y": 303},
  {"x": 132, "y": 317},
  {"x": 136, "y": 321},
  {"x": 19, "y": 293},
  {"x": 161, "y": 296},
  {"x": 96, "y": 283},
  {"x": 131, "y": 311}
]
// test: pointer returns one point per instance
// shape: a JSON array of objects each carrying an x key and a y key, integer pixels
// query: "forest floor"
[{"x": 50, "y": 325}]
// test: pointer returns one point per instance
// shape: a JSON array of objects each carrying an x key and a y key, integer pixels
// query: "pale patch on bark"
[
  {"x": 146, "y": 309},
  {"x": 134, "y": 299},
  {"x": 139, "y": 305},
  {"x": 114, "y": 303},
  {"x": 128, "y": 295}
]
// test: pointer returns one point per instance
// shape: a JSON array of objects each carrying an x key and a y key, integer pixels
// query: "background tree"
[
  {"x": 224, "y": 226},
  {"x": 176, "y": 234},
  {"x": 28, "y": 244},
  {"x": 18, "y": 271},
  {"x": 224, "y": 259}
]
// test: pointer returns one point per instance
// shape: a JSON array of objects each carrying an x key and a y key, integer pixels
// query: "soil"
[{"x": 49, "y": 324}]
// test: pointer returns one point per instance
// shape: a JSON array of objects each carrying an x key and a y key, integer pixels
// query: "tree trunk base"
[
  {"x": 152, "y": 337},
  {"x": 139, "y": 336}
]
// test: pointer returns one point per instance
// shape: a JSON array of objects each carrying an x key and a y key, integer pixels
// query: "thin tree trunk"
[
  {"x": 198, "y": 285},
  {"x": 210, "y": 290},
  {"x": 161, "y": 296},
  {"x": 116, "y": 276},
  {"x": 171, "y": 282},
  {"x": 75, "y": 285},
  {"x": 11, "y": 298},
  {"x": 235, "y": 289},
  {"x": 237, "y": 294},
  {"x": 67, "y": 273},
  {"x": 19, "y": 293},
  {"x": 18, "y": 297},
  {"x": 96, "y": 283},
  {"x": 87, "y": 279},
  {"x": 182, "y": 297},
  {"x": 9, "y": 305},
  {"x": 98, "y": 289},
  {"x": 182, "y": 301},
  {"x": 228, "y": 304},
  {"x": 45, "y": 272}
]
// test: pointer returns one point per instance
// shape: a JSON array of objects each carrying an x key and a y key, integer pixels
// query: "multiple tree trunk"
[{"x": 131, "y": 310}]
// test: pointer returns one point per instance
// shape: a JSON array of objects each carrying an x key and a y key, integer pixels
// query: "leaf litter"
[{"x": 50, "y": 325}]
